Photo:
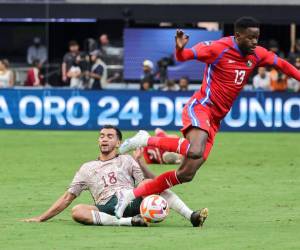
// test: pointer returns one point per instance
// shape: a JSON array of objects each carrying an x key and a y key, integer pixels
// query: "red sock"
[
  {"x": 157, "y": 185},
  {"x": 177, "y": 145}
]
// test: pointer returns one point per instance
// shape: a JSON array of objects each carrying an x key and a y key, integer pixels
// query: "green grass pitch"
[{"x": 251, "y": 185}]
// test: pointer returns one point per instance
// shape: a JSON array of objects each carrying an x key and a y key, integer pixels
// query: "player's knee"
[
  {"x": 77, "y": 213},
  {"x": 195, "y": 153},
  {"x": 185, "y": 176}
]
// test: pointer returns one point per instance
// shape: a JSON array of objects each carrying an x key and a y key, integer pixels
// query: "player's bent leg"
[
  {"x": 188, "y": 169},
  {"x": 90, "y": 215},
  {"x": 198, "y": 139},
  {"x": 82, "y": 213},
  {"x": 195, "y": 156}
]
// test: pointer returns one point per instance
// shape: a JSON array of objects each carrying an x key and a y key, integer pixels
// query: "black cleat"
[
  {"x": 138, "y": 221},
  {"x": 198, "y": 217}
]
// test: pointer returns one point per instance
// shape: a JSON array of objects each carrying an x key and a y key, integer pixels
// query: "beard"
[{"x": 106, "y": 149}]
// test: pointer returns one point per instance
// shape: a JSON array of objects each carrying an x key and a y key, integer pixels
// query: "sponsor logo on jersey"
[{"x": 231, "y": 61}]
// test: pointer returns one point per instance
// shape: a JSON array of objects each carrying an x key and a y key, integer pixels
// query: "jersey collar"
[{"x": 236, "y": 46}]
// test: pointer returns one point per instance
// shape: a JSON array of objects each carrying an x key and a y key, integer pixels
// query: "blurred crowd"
[
  {"x": 88, "y": 69},
  {"x": 270, "y": 79}
]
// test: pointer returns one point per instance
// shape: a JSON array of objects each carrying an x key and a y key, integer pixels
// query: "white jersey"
[{"x": 104, "y": 178}]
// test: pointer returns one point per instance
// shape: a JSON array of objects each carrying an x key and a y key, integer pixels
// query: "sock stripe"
[
  {"x": 176, "y": 177},
  {"x": 96, "y": 217}
]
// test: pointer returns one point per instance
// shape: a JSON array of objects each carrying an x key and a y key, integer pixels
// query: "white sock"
[
  {"x": 104, "y": 219},
  {"x": 177, "y": 204}
]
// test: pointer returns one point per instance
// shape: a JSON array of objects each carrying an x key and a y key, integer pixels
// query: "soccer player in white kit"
[{"x": 104, "y": 177}]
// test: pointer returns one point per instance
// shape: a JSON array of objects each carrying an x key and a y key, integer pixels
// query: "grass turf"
[{"x": 251, "y": 184}]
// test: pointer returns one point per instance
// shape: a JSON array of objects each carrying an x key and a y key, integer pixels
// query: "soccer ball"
[{"x": 154, "y": 208}]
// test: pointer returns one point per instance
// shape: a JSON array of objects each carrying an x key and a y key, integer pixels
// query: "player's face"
[
  {"x": 108, "y": 140},
  {"x": 247, "y": 40}
]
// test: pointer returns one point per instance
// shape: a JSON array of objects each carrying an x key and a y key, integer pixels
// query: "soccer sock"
[
  {"x": 104, "y": 219},
  {"x": 157, "y": 185},
  {"x": 177, "y": 204},
  {"x": 177, "y": 145}
]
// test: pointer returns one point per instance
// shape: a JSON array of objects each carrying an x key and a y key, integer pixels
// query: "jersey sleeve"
[
  {"x": 269, "y": 58},
  {"x": 266, "y": 57},
  {"x": 137, "y": 173},
  {"x": 79, "y": 182},
  {"x": 204, "y": 51}
]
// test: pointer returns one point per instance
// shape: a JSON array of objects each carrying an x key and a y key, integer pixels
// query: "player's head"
[
  {"x": 246, "y": 32},
  {"x": 110, "y": 138}
]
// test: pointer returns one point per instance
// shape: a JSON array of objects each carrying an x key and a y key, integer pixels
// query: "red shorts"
[{"x": 195, "y": 114}]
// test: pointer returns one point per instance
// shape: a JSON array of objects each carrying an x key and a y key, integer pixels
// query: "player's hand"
[
  {"x": 138, "y": 153},
  {"x": 33, "y": 219},
  {"x": 181, "y": 39}
]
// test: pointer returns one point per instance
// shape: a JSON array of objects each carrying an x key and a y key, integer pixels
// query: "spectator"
[
  {"x": 109, "y": 53},
  {"x": 184, "y": 83},
  {"x": 146, "y": 85},
  {"x": 293, "y": 84},
  {"x": 278, "y": 80},
  {"x": 170, "y": 85},
  {"x": 37, "y": 51},
  {"x": 69, "y": 59},
  {"x": 75, "y": 73},
  {"x": 295, "y": 52},
  {"x": 98, "y": 72},
  {"x": 104, "y": 43},
  {"x": 262, "y": 80},
  {"x": 34, "y": 76},
  {"x": 147, "y": 74},
  {"x": 274, "y": 47},
  {"x": 89, "y": 45},
  {"x": 163, "y": 65},
  {"x": 6, "y": 75}
]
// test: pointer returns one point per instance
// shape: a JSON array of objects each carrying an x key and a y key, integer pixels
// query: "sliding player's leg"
[
  {"x": 90, "y": 215},
  {"x": 197, "y": 218}
]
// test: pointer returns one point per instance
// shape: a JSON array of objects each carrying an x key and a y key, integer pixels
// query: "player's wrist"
[{"x": 179, "y": 48}]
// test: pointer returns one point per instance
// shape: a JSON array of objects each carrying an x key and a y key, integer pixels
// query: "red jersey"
[{"x": 227, "y": 71}]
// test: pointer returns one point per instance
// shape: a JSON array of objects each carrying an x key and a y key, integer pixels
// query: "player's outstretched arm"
[
  {"x": 287, "y": 68},
  {"x": 182, "y": 54},
  {"x": 61, "y": 204},
  {"x": 138, "y": 156}
]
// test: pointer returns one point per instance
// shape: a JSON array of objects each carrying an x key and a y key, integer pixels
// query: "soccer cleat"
[
  {"x": 138, "y": 221},
  {"x": 139, "y": 140},
  {"x": 198, "y": 217},
  {"x": 123, "y": 201}
]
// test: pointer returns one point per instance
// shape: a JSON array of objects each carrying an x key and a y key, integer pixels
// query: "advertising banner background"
[{"x": 134, "y": 110}]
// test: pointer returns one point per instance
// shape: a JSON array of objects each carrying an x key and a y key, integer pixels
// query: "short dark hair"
[
  {"x": 73, "y": 43},
  {"x": 118, "y": 131},
  {"x": 245, "y": 22},
  {"x": 185, "y": 78}
]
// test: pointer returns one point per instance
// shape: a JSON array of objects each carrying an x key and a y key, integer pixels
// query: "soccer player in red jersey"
[{"x": 229, "y": 63}]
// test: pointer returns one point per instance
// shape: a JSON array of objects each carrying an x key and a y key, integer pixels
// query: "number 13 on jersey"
[{"x": 239, "y": 76}]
